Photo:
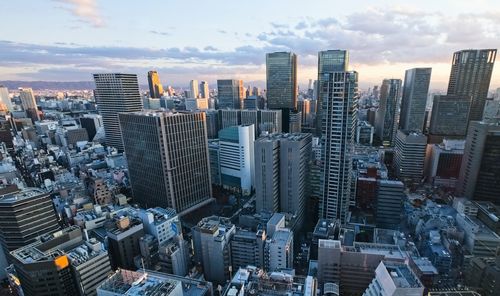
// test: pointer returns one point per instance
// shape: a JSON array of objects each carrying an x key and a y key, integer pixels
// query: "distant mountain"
[{"x": 53, "y": 85}]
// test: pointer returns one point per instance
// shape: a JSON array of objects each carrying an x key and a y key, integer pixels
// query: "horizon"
[{"x": 383, "y": 39}]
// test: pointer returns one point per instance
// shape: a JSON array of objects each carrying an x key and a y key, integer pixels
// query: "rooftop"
[
  {"x": 145, "y": 282},
  {"x": 402, "y": 276},
  {"x": 24, "y": 194}
]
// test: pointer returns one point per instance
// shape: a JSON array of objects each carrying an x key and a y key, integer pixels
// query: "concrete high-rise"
[
  {"x": 194, "y": 89},
  {"x": 212, "y": 247},
  {"x": 409, "y": 154},
  {"x": 230, "y": 93},
  {"x": 281, "y": 173},
  {"x": 338, "y": 104},
  {"x": 4, "y": 98},
  {"x": 17, "y": 229},
  {"x": 155, "y": 87},
  {"x": 415, "y": 89},
  {"x": 204, "y": 90},
  {"x": 116, "y": 93},
  {"x": 449, "y": 118},
  {"x": 480, "y": 171},
  {"x": 470, "y": 75},
  {"x": 167, "y": 155},
  {"x": 281, "y": 79},
  {"x": 386, "y": 117}
]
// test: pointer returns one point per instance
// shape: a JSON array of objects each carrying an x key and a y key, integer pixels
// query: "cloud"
[
  {"x": 85, "y": 10},
  {"x": 159, "y": 33}
]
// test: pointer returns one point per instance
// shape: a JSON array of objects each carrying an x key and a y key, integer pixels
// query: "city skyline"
[{"x": 384, "y": 40}]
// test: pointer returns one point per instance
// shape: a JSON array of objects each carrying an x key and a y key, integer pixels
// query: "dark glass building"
[
  {"x": 386, "y": 117},
  {"x": 116, "y": 93},
  {"x": 167, "y": 155},
  {"x": 471, "y": 76},
  {"x": 415, "y": 89},
  {"x": 480, "y": 172},
  {"x": 230, "y": 94}
]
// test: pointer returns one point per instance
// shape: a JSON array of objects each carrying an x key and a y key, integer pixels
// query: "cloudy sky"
[{"x": 67, "y": 40}]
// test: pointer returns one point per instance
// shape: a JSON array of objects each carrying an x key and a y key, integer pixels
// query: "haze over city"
[{"x": 67, "y": 40}]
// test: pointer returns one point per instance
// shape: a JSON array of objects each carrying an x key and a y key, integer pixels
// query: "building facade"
[
  {"x": 116, "y": 93},
  {"x": 167, "y": 155},
  {"x": 470, "y": 75},
  {"x": 413, "y": 102},
  {"x": 338, "y": 98}
]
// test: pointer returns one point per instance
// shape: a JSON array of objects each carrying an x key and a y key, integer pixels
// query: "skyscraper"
[
  {"x": 449, "y": 118},
  {"x": 230, "y": 93},
  {"x": 281, "y": 173},
  {"x": 386, "y": 117},
  {"x": 338, "y": 104},
  {"x": 116, "y": 93},
  {"x": 167, "y": 155},
  {"x": 204, "y": 90},
  {"x": 193, "y": 89},
  {"x": 29, "y": 103},
  {"x": 18, "y": 229},
  {"x": 4, "y": 97},
  {"x": 281, "y": 77},
  {"x": 155, "y": 87},
  {"x": 480, "y": 172},
  {"x": 409, "y": 154},
  {"x": 471, "y": 75},
  {"x": 415, "y": 89}
]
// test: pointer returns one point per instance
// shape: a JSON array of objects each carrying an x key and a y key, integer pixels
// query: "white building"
[
  {"x": 393, "y": 279},
  {"x": 236, "y": 157},
  {"x": 279, "y": 250}
]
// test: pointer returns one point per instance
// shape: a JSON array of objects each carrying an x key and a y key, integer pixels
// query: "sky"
[{"x": 68, "y": 40}]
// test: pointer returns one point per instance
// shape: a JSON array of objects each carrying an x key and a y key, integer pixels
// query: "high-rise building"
[
  {"x": 167, "y": 155},
  {"x": 281, "y": 77},
  {"x": 230, "y": 93},
  {"x": 338, "y": 97},
  {"x": 116, "y": 93},
  {"x": 268, "y": 121},
  {"x": 92, "y": 123},
  {"x": 449, "y": 118},
  {"x": 389, "y": 203},
  {"x": 281, "y": 173},
  {"x": 4, "y": 98},
  {"x": 155, "y": 87},
  {"x": 480, "y": 172},
  {"x": 194, "y": 89},
  {"x": 492, "y": 111},
  {"x": 27, "y": 98},
  {"x": 18, "y": 229},
  {"x": 204, "y": 90},
  {"x": 212, "y": 247},
  {"x": 409, "y": 154},
  {"x": 470, "y": 75},
  {"x": 236, "y": 158},
  {"x": 386, "y": 117},
  {"x": 28, "y": 102},
  {"x": 414, "y": 100}
]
